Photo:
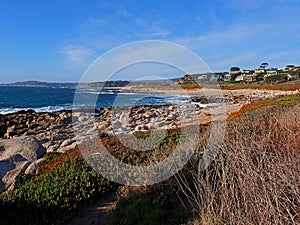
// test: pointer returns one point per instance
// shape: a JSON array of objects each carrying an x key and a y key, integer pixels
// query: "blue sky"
[{"x": 56, "y": 40}]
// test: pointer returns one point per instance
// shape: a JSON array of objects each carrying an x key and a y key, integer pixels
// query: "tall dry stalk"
[{"x": 256, "y": 176}]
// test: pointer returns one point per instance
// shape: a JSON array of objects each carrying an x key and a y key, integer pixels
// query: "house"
[
  {"x": 250, "y": 78},
  {"x": 220, "y": 75},
  {"x": 239, "y": 78},
  {"x": 289, "y": 67},
  {"x": 271, "y": 71},
  {"x": 188, "y": 77},
  {"x": 246, "y": 72},
  {"x": 184, "y": 79},
  {"x": 201, "y": 76},
  {"x": 227, "y": 77},
  {"x": 259, "y": 71},
  {"x": 282, "y": 70},
  {"x": 235, "y": 72}
]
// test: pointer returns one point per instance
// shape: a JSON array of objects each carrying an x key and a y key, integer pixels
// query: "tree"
[
  {"x": 264, "y": 65},
  {"x": 235, "y": 69}
]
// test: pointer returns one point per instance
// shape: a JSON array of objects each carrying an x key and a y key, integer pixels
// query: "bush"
[
  {"x": 63, "y": 181},
  {"x": 152, "y": 205},
  {"x": 276, "y": 78}
]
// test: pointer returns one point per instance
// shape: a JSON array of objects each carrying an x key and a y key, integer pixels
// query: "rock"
[
  {"x": 10, "y": 174},
  {"x": 171, "y": 107},
  {"x": 66, "y": 148},
  {"x": 60, "y": 136},
  {"x": 201, "y": 99},
  {"x": 33, "y": 167},
  {"x": 33, "y": 125},
  {"x": 11, "y": 129},
  {"x": 117, "y": 125},
  {"x": 52, "y": 149},
  {"x": 67, "y": 142},
  {"x": 101, "y": 125},
  {"x": 138, "y": 128},
  {"x": 161, "y": 124},
  {"x": 3, "y": 129},
  {"x": 10, "y": 132},
  {"x": 62, "y": 116},
  {"x": 145, "y": 128},
  {"x": 15, "y": 156},
  {"x": 27, "y": 146},
  {"x": 82, "y": 119}
]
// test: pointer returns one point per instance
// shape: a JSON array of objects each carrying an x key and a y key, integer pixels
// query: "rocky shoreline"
[
  {"x": 26, "y": 136},
  {"x": 55, "y": 130}
]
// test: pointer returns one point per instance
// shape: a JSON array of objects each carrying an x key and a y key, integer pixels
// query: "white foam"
[{"x": 5, "y": 111}]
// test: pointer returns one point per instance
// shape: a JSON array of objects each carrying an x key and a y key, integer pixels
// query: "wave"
[
  {"x": 208, "y": 104},
  {"x": 57, "y": 101},
  {"x": 9, "y": 110}
]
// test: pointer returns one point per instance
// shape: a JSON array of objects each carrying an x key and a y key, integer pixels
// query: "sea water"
[{"x": 48, "y": 99}]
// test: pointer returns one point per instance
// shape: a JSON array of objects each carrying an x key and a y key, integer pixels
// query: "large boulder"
[{"x": 15, "y": 156}]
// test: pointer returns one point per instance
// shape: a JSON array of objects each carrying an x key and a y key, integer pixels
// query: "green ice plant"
[{"x": 64, "y": 180}]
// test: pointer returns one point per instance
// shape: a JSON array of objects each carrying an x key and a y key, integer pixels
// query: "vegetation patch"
[
  {"x": 153, "y": 205},
  {"x": 63, "y": 181},
  {"x": 253, "y": 180},
  {"x": 276, "y": 78},
  {"x": 132, "y": 152},
  {"x": 255, "y": 177},
  {"x": 288, "y": 100},
  {"x": 285, "y": 86}
]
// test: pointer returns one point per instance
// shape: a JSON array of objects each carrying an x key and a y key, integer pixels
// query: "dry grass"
[
  {"x": 255, "y": 178},
  {"x": 288, "y": 100},
  {"x": 284, "y": 86}
]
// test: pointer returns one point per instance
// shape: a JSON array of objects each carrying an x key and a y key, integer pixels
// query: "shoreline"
[
  {"x": 166, "y": 90},
  {"x": 55, "y": 130}
]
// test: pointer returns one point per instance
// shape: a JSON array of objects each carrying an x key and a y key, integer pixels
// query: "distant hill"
[
  {"x": 118, "y": 83},
  {"x": 40, "y": 84}
]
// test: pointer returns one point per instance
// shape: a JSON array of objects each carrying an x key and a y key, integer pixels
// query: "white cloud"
[
  {"x": 235, "y": 33},
  {"x": 161, "y": 33},
  {"x": 216, "y": 45},
  {"x": 76, "y": 56},
  {"x": 140, "y": 54}
]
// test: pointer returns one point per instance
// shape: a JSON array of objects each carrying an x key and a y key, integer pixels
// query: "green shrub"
[
  {"x": 276, "y": 78},
  {"x": 63, "y": 181},
  {"x": 153, "y": 206}
]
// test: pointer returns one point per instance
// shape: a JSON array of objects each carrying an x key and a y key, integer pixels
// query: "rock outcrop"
[{"x": 17, "y": 155}]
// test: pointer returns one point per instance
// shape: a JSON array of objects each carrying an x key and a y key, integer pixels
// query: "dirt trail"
[{"x": 94, "y": 212}]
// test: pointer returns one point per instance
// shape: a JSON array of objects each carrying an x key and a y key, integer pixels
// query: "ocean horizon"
[{"x": 51, "y": 99}]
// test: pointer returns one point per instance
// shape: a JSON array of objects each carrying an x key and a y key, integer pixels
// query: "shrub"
[
  {"x": 64, "y": 180},
  {"x": 289, "y": 100},
  {"x": 152, "y": 205},
  {"x": 276, "y": 78}
]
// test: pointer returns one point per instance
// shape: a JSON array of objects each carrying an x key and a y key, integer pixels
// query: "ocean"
[{"x": 47, "y": 99}]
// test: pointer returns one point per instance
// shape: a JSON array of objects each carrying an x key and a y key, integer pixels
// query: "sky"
[{"x": 57, "y": 40}]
